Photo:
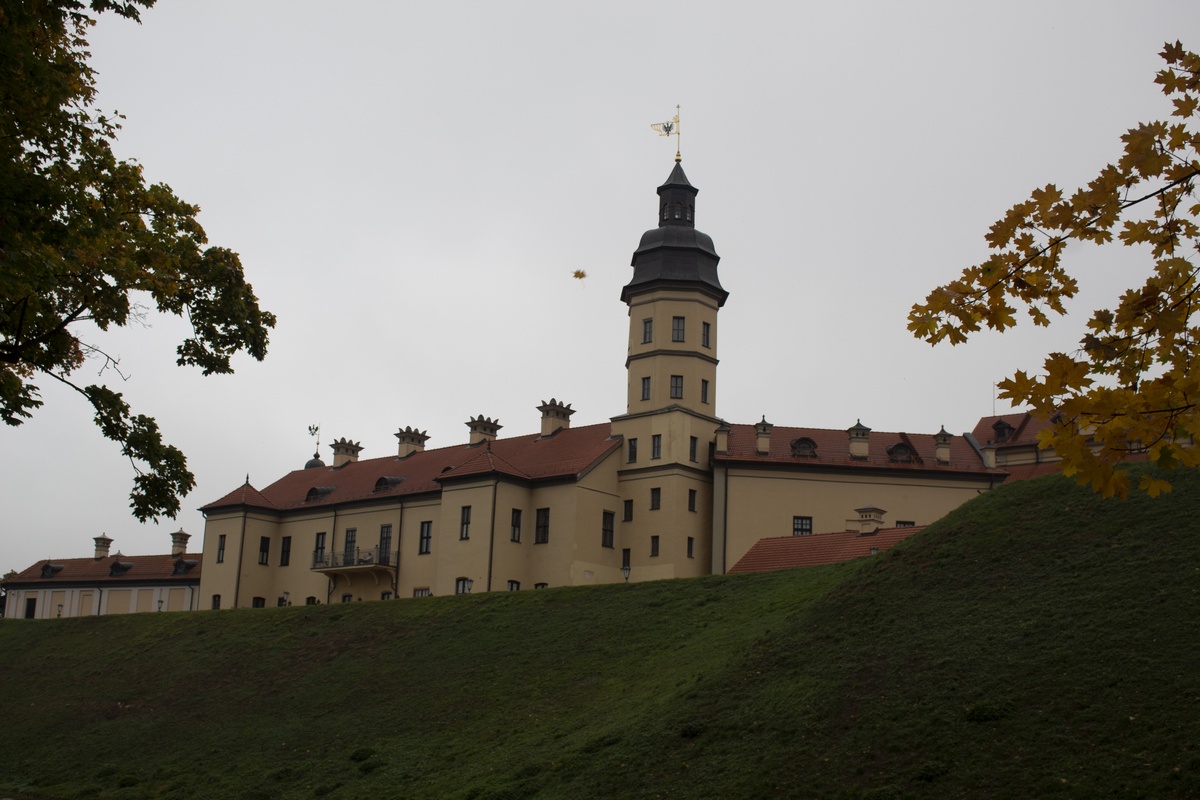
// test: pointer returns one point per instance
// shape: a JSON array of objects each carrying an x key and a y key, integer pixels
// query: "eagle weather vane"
[{"x": 670, "y": 128}]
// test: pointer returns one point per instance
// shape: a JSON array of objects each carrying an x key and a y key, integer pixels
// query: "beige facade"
[{"x": 667, "y": 489}]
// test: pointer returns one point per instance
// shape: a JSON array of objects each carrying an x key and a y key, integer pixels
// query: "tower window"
[
  {"x": 654, "y": 547},
  {"x": 645, "y": 388},
  {"x": 691, "y": 499},
  {"x": 691, "y": 547},
  {"x": 677, "y": 387},
  {"x": 264, "y": 550},
  {"x": 632, "y": 451},
  {"x": 464, "y": 526},
  {"x": 220, "y": 548},
  {"x": 541, "y": 530},
  {"x": 705, "y": 334},
  {"x": 693, "y": 445},
  {"x": 655, "y": 498},
  {"x": 425, "y": 541},
  {"x": 627, "y": 508},
  {"x": 607, "y": 524},
  {"x": 677, "y": 329},
  {"x": 647, "y": 331},
  {"x": 703, "y": 391},
  {"x": 516, "y": 525},
  {"x": 656, "y": 446}
]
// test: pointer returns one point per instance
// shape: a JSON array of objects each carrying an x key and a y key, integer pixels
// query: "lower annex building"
[{"x": 667, "y": 489}]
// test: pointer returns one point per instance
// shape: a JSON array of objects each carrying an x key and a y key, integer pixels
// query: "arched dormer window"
[
  {"x": 50, "y": 570},
  {"x": 317, "y": 493},
  {"x": 900, "y": 454},
  {"x": 119, "y": 568},
  {"x": 804, "y": 447},
  {"x": 387, "y": 482}
]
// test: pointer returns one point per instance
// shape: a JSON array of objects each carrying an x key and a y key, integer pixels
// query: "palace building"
[{"x": 666, "y": 489}]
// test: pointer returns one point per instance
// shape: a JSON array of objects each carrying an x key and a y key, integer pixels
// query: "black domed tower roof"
[{"x": 675, "y": 253}]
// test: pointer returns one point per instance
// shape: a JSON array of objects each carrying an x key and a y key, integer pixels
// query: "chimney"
[
  {"x": 483, "y": 429},
  {"x": 102, "y": 545},
  {"x": 179, "y": 541},
  {"x": 345, "y": 452},
  {"x": 722, "y": 445},
  {"x": 762, "y": 437},
  {"x": 941, "y": 441},
  {"x": 868, "y": 520},
  {"x": 555, "y": 416},
  {"x": 411, "y": 441},
  {"x": 860, "y": 447},
  {"x": 989, "y": 455}
]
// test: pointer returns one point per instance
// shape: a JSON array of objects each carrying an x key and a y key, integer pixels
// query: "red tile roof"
[
  {"x": 159, "y": 568},
  {"x": 833, "y": 448},
  {"x": 1025, "y": 429},
  {"x": 568, "y": 453},
  {"x": 789, "y": 552}
]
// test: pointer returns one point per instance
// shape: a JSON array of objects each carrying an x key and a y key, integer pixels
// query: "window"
[
  {"x": 319, "y": 550},
  {"x": 654, "y": 547},
  {"x": 647, "y": 331},
  {"x": 221, "y": 549},
  {"x": 691, "y": 499},
  {"x": 625, "y": 558},
  {"x": 285, "y": 551},
  {"x": 607, "y": 525},
  {"x": 705, "y": 334},
  {"x": 541, "y": 586},
  {"x": 632, "y": 450},
  {"x": 627, "y": 511},
  {"x": 655, "y": 498},
  {"x": 541, "y": 530},
  {"x": 902, "y": 523},
  {"x": 258, "y": 602},
  {"x": 463, "y": 585},
  {"x": 350, "y": 546},
  {"x": 385, "y": 544},
  {"x": 693, "y": 444},
  {"x": 347, "y": 598},
  {"x": 516, "y": 525},
  {"x": 311, "y": 600},
  {"x": 464, "y": 526},
  {"x": 676, "y": 329},
  {"x": 426, "y": 538},
  {"x": 422, "y": 591},
  {"x": 514, "y": 586},
  {"x": 801, "y": 526},
  {"x": 385, "y": 596},
  {"x": 677, "y": 387},
  {"x": 216, "y": 602},
  {"x": 691, "y": 547},
  {"x": 656, "y": 446},
  {"x": 264, "y": 550},
  {"x": 703, "y": 391},
  {"x": 645, "y": 388}
]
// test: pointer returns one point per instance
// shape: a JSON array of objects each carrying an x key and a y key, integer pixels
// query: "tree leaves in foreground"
[
  {"x": 85, "y": 244},
  {"x": 1130, "y": 386}
]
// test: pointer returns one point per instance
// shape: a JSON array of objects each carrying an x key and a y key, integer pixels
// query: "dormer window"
[
  {"x": 900, "y": 454},
  {"x": 185, "y": 565},
  {"x": 317, "y": 493},
  {"x": 119, "y": 568},
  {"x": 50, "y": 570},
  {"x": 804, "y": 447},
  {"x": 1002, "y": 432},
  {"x": 387, "y": 482}
]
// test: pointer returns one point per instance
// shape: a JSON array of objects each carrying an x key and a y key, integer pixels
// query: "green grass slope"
[{"x": 1039, "y": 642}]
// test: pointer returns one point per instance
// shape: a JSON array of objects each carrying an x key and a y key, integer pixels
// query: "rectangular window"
[
  {"x": 347, "y": 598},
  {"x": 462, "y": 585},
  {"x": 691, "y": 499},
  {"x": 319, "y": 550},
  {"x": 516, "y": 525},
  {"x": 693, "y": 443},
  {"x": 705, "y": 334},
  {"x": 425, "y": 540},
  {"x": 676, "y": 329},
  {"x": 350, "y": 546},
  {"x": 607, "y": 525},
  {"x": 422, "y": 591},
  {"x": 285, "y": 551},
  {"x": 385, "y": 544},
  {"x": 703, "y": 391},
  {"x": 311, "y": 600},
  {"x": 464, "y": 527},
  {"x": 647, "y": 331},
  {"x": 656, "y": 446},
  {"x": 632, "y": 451},
  {"x": 691, "y": 547},
  {"x": 258, "y": 602},
  {"x": 514, "y": 586},
  {"x": 221, "y": 548},
  {"x": 905, "y": 524},
  {"x": 655, "y": 498},
  {"x": 264, "y": 550},
  {"x": 801, "y": 526},
  {"x": 216, "y": 602},
  {"x": 627, "y": 508},
  {"x": 625, "y": 558},
  {"x": 541, "y": 529},
  {"x": 645, "y": 388},
  {"x": 677, "y": 387},
  {"x": 654, "y": 547}
]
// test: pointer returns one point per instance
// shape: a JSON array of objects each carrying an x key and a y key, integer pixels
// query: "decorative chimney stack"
[
  {"x": 179, "y": 541},
  {"x": 722, "y": 444},
  {"x": 762, "y": 437},
  {"x": 102, "y": 545},
  {"x": 860, "y": 441},
  {"x": 869, "y": 519},
  {"x": 555, "y": 416},
  {"x": 483, "y": 429},
  {"x": 941, "y": 441},
  {"x": 345, "y": 451},
  {"x": 411, "y": 441}
]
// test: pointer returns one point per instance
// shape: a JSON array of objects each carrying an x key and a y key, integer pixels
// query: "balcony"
[{"x": 357, "y": 559}]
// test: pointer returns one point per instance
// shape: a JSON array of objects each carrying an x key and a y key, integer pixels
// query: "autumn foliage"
[{"x": 1129, "y": 388}]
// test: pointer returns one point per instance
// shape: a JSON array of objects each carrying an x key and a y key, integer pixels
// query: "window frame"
[
  {"x": 264, "y": 551},
  {"x": 678, "y": 329},
  {"x": 705, "y": 334},
  {"x": 425, "y": 538},
  {"x": 692, "y": 497},
  {"x": 319, "y": 547},
  {"x": 216, "y": 602},
  {"x": 221, "y": 549},
  {"x": 693, "y": 448},
  {"x": 802, "y": 525},
  {"x": 655, "y": 498},
  {"x": 608, "y": 526},
  {"x": 655, "y": 446},
  {"x": 464, "y": 524},
  {"x": 646, "y": 388},
  {"x": 703, "y": 390},
  {"x": 514, "y": 534},
  {"x": 463, "y": 585},
  {"x": 632, "y": 451},
  {"x": 676, "y": 387},
  {"x": 285, "y": 551},
  {"x": 691, "y": 547},
  {"x": 648, "y": 330},
  {"x": 385, "y": 543},
  {"x": 541, "y": 527},
  {"x": 654, "y": 545},
  {"x": 514, "y": 586},
  {"x": 349, "y": 546},
  {"x": 627, "y": 511}
]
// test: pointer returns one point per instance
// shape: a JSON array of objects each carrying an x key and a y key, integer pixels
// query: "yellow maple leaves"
[{"x": 1129, "y": 389}]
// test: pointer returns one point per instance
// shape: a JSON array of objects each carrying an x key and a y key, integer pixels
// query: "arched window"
[{"x": 804, "y": 447}]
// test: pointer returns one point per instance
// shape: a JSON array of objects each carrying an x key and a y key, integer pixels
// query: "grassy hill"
[{"x": 1039, "y": 642}]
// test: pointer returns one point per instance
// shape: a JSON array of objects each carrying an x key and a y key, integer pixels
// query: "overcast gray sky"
[{"x": 411, "y": 184}]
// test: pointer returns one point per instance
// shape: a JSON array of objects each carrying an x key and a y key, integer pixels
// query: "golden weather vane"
[{"x": 670, "y": 128}]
